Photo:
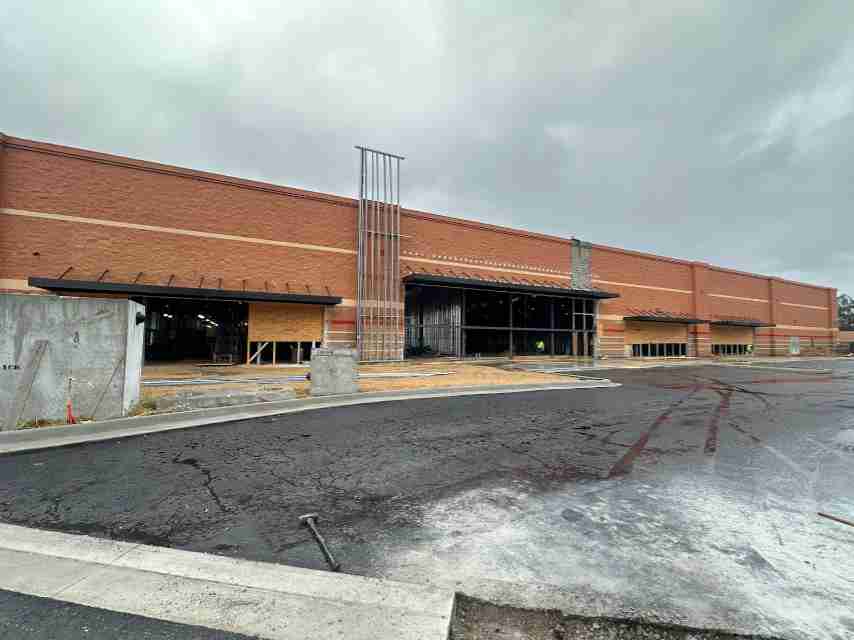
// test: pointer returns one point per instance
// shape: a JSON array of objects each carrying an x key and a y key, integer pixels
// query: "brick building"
[{"x": 243, "y": 269}]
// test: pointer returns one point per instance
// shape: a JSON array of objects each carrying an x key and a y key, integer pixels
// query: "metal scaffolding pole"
[{"x": 379, "y": 308}]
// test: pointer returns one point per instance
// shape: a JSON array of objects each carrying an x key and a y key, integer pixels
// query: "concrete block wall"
[
  {"x": 334, "y": 372},
  {"x": 45, "y": 340}
]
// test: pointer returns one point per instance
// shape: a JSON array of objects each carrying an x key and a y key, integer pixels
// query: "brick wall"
[
  {"x": 192, "y": 213},
  {"x": 123, "y": 220},
  {"x": 443, "y": 239}
]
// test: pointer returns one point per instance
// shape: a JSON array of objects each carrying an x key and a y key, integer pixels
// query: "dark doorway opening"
[
  {"x": 198, "y": 330},
  {"x": 452, "y": 321}
]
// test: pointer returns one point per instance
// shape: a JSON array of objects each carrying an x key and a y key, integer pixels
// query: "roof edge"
[{"x": 175, "y": 170}]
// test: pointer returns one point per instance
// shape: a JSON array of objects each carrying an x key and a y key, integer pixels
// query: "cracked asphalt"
[{"x": 687, "y": 495}]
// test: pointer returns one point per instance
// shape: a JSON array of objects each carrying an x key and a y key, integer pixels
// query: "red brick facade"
[{"x": 94, "y": 216}]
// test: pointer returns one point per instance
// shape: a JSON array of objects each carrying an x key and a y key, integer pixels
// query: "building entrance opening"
[
  {"x": 195, "y": 330},
  {"x": 460, "y": 322}
]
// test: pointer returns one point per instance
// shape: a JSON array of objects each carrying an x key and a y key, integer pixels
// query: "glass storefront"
[{"x": 474, "y": 323}]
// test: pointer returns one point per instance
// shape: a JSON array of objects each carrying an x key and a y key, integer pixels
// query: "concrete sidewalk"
[
  {"x": 253, "y": 598},
  {"x": 62, "y": 436},
  {"x": 631, "y": 364}
]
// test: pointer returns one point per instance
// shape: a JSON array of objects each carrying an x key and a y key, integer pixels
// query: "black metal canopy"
[
  {"x": 59, "y": 285},
  {"x": 741, "y": 323},
  {"x": 491, "y": 285}
]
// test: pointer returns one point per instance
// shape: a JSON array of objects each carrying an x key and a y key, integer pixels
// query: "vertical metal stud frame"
[{"x": 379, "y": 299}]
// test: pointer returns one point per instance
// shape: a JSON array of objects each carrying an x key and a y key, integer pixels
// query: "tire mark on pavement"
[
  {"x": 624, "y": 464},
  {"x": 712, "y": 430}
]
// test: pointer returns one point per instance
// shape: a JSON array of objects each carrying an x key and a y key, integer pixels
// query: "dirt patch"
[
  {"x": 479, "y": 620},
  {"x": 241, "y": 377},
  {"x": 461, "y": 375}
]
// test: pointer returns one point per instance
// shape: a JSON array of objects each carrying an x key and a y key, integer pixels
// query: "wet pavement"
[{"x": 687, "y": 495}]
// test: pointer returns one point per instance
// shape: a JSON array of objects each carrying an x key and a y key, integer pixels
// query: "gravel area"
[{"x": 479, "y": 620}]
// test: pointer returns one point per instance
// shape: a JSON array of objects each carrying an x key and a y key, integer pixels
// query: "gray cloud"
[{"x": 711, "y": 131}]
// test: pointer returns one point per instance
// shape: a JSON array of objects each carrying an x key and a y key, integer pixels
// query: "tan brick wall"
[{"x": 279, "y": 322}]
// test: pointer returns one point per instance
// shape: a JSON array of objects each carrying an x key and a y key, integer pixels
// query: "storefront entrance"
[
  {"x": 197, "y": 330},
  {"x": 478, "y": 323}
]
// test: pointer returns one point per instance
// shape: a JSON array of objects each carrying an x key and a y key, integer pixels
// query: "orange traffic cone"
[{"x": 69, "y": 414}]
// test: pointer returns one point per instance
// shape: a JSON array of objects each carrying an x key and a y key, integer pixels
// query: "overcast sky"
[{"x": 713, "y": 131}]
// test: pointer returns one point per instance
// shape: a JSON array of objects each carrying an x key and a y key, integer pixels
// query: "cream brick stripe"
[
  {"x": 642, "y": 286},
  {"x": 804, "y": 306},
  {"x": 172, "y": 230},
  {"x": 801, "y": 327},
  {"x": 721, "y": 295}
]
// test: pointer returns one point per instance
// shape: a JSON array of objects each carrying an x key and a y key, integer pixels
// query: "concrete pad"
[
  {"x": 263, "y": 599},
  {"x": 187, "y": 401}
]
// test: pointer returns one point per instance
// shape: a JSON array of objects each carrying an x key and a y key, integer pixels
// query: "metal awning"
[
  {"x": 741, "y": 323},
  {"x": 493, "y": 285},
  {"x": 58, "y": 285},
  {"x": 674, "y": 319}
]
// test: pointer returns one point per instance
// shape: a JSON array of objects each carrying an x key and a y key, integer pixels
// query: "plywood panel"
[
  {"x": 281, "y": 322},
  {"x": 646, "y": 332},
  {"x": 732, "y": 335}
]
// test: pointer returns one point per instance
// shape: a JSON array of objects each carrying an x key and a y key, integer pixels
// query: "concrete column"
[{"x": 580, "y": 264}]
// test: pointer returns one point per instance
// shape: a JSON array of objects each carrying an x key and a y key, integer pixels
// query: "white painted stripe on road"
[{"x": 264, "y": 599}]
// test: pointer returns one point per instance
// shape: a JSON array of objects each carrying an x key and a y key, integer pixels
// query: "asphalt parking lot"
[{"x": 687, "y": 495}]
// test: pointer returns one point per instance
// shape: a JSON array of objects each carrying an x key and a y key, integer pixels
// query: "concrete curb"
[
  {"x": 254, "y": 598},
  {"x": 12, "y": 442}
]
